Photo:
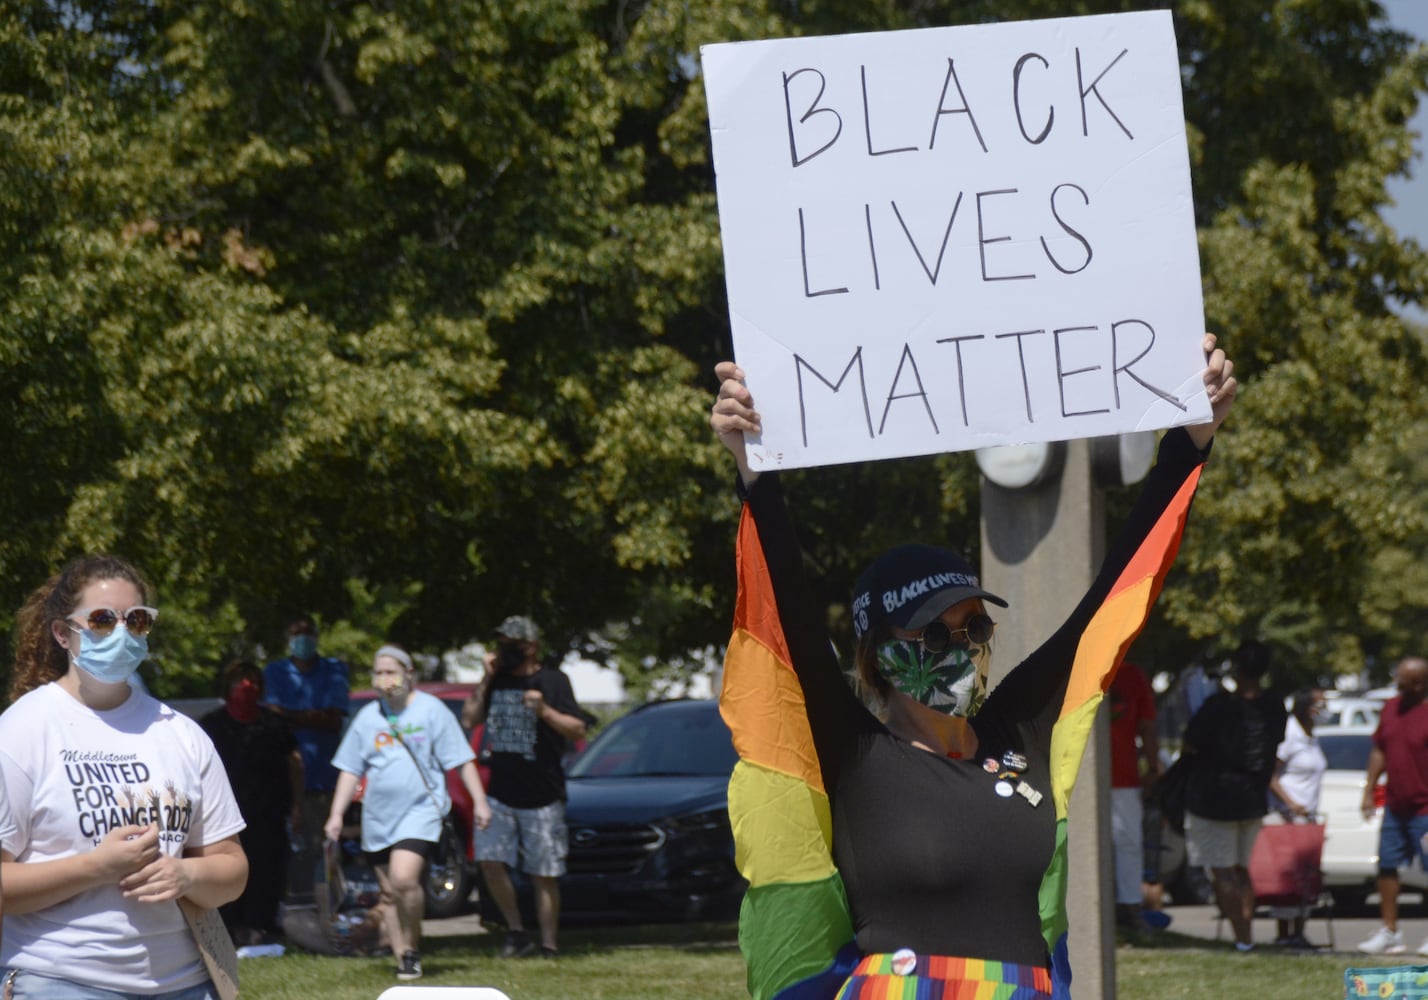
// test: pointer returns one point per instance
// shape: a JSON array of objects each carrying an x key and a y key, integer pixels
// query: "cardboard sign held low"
[{"x": 220, "y": 958}]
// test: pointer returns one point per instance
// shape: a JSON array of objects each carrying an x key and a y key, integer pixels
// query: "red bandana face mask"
[{"x": 242, "y": 701}]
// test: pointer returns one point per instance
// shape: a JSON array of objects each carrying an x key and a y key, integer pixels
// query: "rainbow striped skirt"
[{"x": 904, "y": 976}]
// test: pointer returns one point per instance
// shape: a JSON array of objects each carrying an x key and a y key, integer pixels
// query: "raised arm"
[
  {"x": 734, "y": 416},
  {"x": 1221, "y": 386},
  {"x": 832, "y": 709},
  {"x": 567, "y": 726},
  {"x": 478, "y": 702},
  {"x": 1037, "y": 686}
]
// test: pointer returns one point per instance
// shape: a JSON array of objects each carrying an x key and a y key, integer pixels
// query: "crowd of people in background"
[
  {"x": 115, "y": 805},
  {"x": 127, "y": 830},
  {"x": 1254, "y": 765}
]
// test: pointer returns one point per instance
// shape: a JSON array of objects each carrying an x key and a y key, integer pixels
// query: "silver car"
[{"x": 1350, "y": 712}]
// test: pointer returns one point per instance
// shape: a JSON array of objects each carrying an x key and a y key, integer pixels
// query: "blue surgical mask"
[
  {"x": 114, "y": 658},
  {"x": 302, "y": 647},
  {"x": 953, "y": 681}
]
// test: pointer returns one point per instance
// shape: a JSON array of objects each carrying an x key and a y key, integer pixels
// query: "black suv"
[{"x": 648, "y": 819}]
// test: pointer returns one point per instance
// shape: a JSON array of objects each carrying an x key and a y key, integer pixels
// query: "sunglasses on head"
[
  {"x": 937, "y": 636},
  {"x": 102, "y": 621}
]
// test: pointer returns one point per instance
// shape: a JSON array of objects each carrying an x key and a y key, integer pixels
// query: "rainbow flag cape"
[
  {"x": 1104, "y": 644},
  {"x": 795, "y": 928}
]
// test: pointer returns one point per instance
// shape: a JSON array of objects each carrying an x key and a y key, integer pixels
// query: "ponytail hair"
[{"x": 39, "y": 659}]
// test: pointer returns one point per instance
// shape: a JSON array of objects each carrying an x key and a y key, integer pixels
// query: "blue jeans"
[
  {"x": 1399, "y": 839},
  {"x": 28, "y": 986}
]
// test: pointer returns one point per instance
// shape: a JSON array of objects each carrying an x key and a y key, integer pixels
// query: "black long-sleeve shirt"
[{"x": 936, "y": 857}]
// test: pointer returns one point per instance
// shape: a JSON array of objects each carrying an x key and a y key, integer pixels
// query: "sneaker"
[
  {"x": 1423, "y": 948},
  {"x": 410, "y": 967},
  {"x": 1384, "y": 942},
  {"x": 548, "y": 952},
  {"x": 1244, "y": 947},
  {"x": 517, "y": 945},
  {"x": 1156, "y": 920}
]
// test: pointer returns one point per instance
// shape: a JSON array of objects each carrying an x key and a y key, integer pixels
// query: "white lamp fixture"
[
  {"x": 1122, "y": 459},
  {"x": 1022, "y": 466}
]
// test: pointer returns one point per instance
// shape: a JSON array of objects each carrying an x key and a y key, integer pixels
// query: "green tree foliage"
[
  {"x": 403, "y": 314},
  {"x": 1312, "y": 502}
]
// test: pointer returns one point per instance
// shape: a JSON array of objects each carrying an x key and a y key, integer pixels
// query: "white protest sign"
[{"x": 950, "y": 238}]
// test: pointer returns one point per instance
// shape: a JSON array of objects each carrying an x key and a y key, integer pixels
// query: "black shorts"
[{"x": 382, "y": 857}]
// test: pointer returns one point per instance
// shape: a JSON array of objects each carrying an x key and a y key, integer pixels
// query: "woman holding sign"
[
  {"x": 947, "y": 807},
  {"x": 122, "y": 808}
]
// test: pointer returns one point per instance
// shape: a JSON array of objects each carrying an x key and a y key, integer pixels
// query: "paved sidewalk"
[
  {"x": 1349, "y": 926},
  {"x": 458, "y": 926}
]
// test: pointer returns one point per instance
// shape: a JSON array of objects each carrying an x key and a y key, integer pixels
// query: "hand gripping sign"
[{"x": 951, "y": 238}]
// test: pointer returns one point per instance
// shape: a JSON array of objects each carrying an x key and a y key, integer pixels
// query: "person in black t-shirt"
[
  {"x": 530, "y": 712},
  {"x": 1233, "y": 738}
]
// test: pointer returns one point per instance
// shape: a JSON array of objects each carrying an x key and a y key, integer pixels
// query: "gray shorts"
[
  {"x": 534, "y": 837},
  {"x": 1217, "y": 843}
]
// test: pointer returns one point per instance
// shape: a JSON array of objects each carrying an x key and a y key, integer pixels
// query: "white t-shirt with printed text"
[{"x": 72, "y": 774}]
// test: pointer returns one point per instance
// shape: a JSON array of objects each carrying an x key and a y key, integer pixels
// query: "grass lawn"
[
  {"x": 702, "y": 960},
  {"x": 615, "y": 963},
  {"x": 1194, "y": 969}
]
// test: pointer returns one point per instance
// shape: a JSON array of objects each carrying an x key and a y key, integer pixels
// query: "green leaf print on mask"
[{"x": 950, "y": 681}]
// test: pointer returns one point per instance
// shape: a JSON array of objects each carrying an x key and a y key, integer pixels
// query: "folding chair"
[{"x": 1284, "y": 870}]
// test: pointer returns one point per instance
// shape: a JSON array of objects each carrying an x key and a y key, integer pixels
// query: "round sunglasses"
[
  {"x": 937, "y": 636},
  {"x": 138, "y": 620}
]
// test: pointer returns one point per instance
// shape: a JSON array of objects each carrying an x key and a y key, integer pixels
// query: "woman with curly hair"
[{"x": 121, "y": 806}]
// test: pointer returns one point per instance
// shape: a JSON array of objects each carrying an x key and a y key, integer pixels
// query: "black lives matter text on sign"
[{"x": 943, "y": 239}]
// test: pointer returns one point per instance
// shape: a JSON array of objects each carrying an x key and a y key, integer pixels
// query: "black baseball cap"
[{"x": 910, "y": 585}]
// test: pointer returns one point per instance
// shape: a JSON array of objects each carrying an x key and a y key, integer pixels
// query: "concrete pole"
[{"x": 1041, "y": 548}]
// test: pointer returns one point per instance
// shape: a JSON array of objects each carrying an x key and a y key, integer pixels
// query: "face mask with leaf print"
[{"x": 953, "y": 681}]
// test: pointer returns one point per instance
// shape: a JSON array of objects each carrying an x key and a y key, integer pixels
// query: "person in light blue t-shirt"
[{"x": 404, "y": 742}]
